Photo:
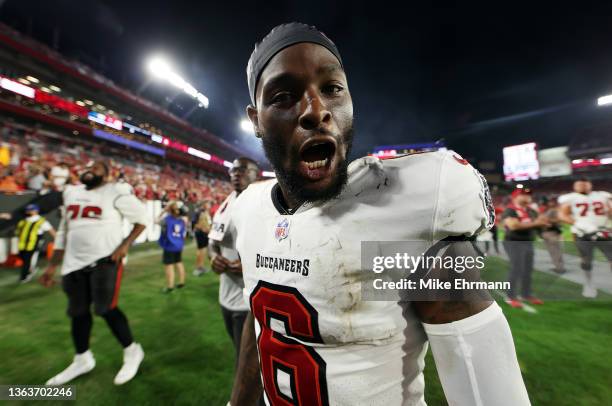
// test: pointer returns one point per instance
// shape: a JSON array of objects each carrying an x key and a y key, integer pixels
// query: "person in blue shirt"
[{"x": 172, "y": 240}]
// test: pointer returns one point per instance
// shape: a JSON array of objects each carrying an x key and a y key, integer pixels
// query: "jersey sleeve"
[
  {"x": 565, "y": 199},
  {"x": 130, "y": 207},
  {"x": 464, "y": 206},
  {"x": 223, "y": 224}
]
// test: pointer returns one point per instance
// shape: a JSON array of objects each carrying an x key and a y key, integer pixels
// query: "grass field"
[{"x": 564, "y": 349}]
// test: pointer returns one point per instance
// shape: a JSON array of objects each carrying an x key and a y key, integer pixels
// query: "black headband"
[{"x": 279, "y": 38}]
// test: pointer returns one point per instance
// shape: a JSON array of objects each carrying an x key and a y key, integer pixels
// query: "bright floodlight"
[
  {"x": 247, "y": 126},
  {"x": 159, "y": 67},
  {"x": 162, "y": 69},
  {"x": 603, "y": 100}
]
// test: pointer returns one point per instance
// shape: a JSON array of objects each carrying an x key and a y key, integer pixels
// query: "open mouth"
[{"x": 316, "y": 157}]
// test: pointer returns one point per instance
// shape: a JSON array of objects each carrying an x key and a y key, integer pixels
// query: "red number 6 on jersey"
[{"x": 281, "y": 354}]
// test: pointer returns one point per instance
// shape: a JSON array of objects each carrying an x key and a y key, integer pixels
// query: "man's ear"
[{"x": 252, "y": 114}]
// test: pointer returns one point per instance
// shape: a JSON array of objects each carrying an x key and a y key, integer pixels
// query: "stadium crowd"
[{"x": 39, "y": 160}]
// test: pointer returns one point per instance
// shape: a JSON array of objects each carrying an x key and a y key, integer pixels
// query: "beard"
[
  {"x": 294, "y": 184},
  {"x": 90, "y": 180}
]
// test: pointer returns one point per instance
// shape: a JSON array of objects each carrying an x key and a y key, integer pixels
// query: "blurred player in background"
[
  {"x": 172, "y": 240},
  {"x": 299, "y": 240},
  {"x": 29, "y": 232},
  {"x": 224, "y": 258},
  {"x": 588, "y": 212},
  {"x": 522, "y": 224},
  {"x": 201, "y": 228},
  {"x": 91, "y": 244},
  {"x": 552, "y": 234}
]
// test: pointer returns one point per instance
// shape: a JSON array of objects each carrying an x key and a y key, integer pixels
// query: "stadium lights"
[
  {"x": 45, "y": 89},
  {"x": 32, "y": 79},
  {"x": 247, "y": 126},
  {"x": 268, "y": 174},
  {"x": 89, "y": 102},
  {"x": 162, "y": 69},
  {"x": 55, "y": 88},
  {"x": 603, "y": 100},
  {"x": 24, "y": 81}
]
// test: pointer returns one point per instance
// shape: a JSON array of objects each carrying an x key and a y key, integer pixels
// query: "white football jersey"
[
  {"x": 318, "y": 341},
  {"x": 590, "y": 212},
  {"x": 230, "y": 284},
  {"x": 91, "y": 227}
]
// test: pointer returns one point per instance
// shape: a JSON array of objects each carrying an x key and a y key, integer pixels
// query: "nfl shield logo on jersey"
[{"x": 281, "y": 231}]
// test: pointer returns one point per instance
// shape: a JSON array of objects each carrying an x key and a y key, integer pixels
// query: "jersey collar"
[{"x": 279, "y": 201}]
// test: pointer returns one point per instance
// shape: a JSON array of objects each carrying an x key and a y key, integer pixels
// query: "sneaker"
[
  {"x": 132, "y": 357},
  {"x": 589, "y": 291},
  {"x": 199, "y": 271},
  {"x": 559, "y": 271},
  {"x": 82, "y": 364},
  {"x": 167, "y": 290},
  {"x": 515, "y": 303},
  {"x": 534, "y": 300},
  {"x": 180, "y": 285}
]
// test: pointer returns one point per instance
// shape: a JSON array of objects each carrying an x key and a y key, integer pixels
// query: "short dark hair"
[{"x": 249, "y": 160}]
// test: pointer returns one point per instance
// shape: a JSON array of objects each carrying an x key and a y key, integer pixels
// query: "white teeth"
[{"x": 316, "y": 164}]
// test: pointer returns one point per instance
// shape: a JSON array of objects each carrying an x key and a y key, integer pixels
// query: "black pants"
[
  {"x": 520, "y": 254},
  {"x": 96, "y": 285},
  {"x": 234, "y": 321},
  {"x": 26, "y": 258},
  {"x": 586, "y": 248}
]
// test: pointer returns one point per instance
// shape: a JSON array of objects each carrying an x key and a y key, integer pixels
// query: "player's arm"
[
  {"x": 565, "y": 214},
  {"x": 247, "y": 388},
  {"x": 219, "y": 263},
  {"x": 474, "y": 353},
  {"x": 469, "y": 336},
  {"x": 135, "y": 212},
  {"x": 226, "y": 233},
  {"x": 122, "y": 250},
  {"x": 515, "y": 224}
]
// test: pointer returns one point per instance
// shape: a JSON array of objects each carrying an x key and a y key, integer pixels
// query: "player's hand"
[
  {"x": 46, "y": 279},
  {"x": 542, "y": 221},
  {"x": 235, "y": 267},
  {"x": 220, "y": 264},
  {"x": 120, "y": 252}
]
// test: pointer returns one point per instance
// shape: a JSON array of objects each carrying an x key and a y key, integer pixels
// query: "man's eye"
[
  {"x": 332, "y": 89},
  {"x": 282, "y": 98}
]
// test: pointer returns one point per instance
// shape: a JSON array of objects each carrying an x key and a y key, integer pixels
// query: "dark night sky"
[{"x": 480, "y": 76}]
